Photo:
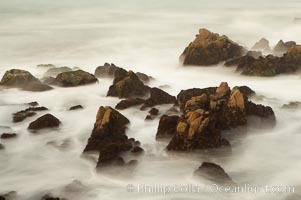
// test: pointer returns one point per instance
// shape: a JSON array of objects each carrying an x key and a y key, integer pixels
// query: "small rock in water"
[
  {"x": 8, "y": 135},
  {"x": 1, "y": 146},
  {"x": 167, "y": 126},
  {"x": 34, "y": 103},
  {"x": 154, "y": 111},
  {"x": 46, "y": 121},
  {"x": 77, "y": 107},
  {"x": 292, "y": 105},
  {"x": 137, "y": 150},
  {"x": 29, "y": 112}
]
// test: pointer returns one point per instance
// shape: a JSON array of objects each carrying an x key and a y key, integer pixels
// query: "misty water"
[{"x": 146, "y": 36}]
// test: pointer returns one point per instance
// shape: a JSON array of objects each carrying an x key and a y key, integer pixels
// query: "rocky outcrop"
[
  {"x": 127, "y": 103},
  {"x": 262, "y": 45},
  {"x": 75, "y": 78},
  {"x": 23, "y": 79},
  {"x": 206, "y": 114},
  {"x": 56, "y": 71},
  {"x": 128, "y": 86},
  {"x": 8, "y": 135},
  {"x": 210, "y": 48},
  {"x": 29, "y": 112},
  {"x": 283, "y": 47},
  {"x": 77, "y": 107},
  {"x": 167, "y": 126},
  {"x": 108, "y": 137},
  {"x": 214, "y": 173},
  {"x": 46, "y": 121}
]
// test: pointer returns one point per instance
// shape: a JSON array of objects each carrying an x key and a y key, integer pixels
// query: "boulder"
[
  {"x": 262, "y": 45},
  {"x": 167, "y": 126},
  {"x": 158, "y": 97},
  {"x": 49, "y": 80},
  {"x": 209, "y": 49},
  {"x": 75, "y": 78},
  {"x": 127, "y": 86},
  {"x": 283, "y": 47},
  {"x": 34, "y": 103},
  {"x": 108, "y": 71},
  {"x": 8, "y": 135},
  {"x": 126, "y": 103},
  {"x": 239, "y": 61},
  {"x": 247, "y": 91},
  {"x": 29, "y": 112},
  {"x": 154, "y": 111},
  {"x": 108, "y": 137},
  {"x": 77, "y": 107},
  {"x": 56, "y": 71},
  {"x": 46, "y": 121},
  {"x": 214, "y": 173}
]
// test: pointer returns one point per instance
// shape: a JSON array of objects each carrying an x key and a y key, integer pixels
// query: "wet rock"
[
  {"x": 154, "y": 111},
  {"x": 167, "y": 126},
  {"x": 158, "y": 97},
  {"x": 210, "y": 48},
  {"x": 29, "y": 112},
  {"x": 46, "y": 66},
  {"x": 127, "y": 86},
  {"x": 8, "y": 135},
  {"x": 213, "y": 173},
  {"x": 127, "y": 103},
  {"x": 56, "y": 71},
  {"x": 262, "y": 45},
  {"x": 49, "y": 80},
  {"x": 77, "y": 107},
  {"x": 109, "y": 71},
  {"x": 283, "y": 47},
  {"x": 75, "y": 78},
  {"x": 292, "y": 105},
  {"x": 260, "y": 111},
  {"x": 46, "y": 121},
  {"x": 108, "y": 137}
]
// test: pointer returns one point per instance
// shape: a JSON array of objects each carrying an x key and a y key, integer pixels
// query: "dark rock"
[
  {"x": 2, "y": 198},
  {"x": 137, "y": 150},
  {"x": 210, "y": 48},
  {"x": 260, "y": 111},
  {"x": 124, "y": 104},
  {"x": 247, "y": 91},
  {"x": 158, "y": 97},
  {"x": 109, "y": 71},
  {"x": 56, "y": 71},
  {"x": 127, "y": 86},
  {"x": 282, "y": 47},
  {"x": 239, "y": 61},
  {"x": 8, "y": 135},
  {"x": 262, "y": 45},
  {"x": 50, "y": 197},
  {"x": 77, "y": 107},
  {"x": 46, "y": 121},
  {"x": 1, "y": 146},
  {"x": 167, "y": 126},
  {"x": 143, "y": 77},
  {"x": 49, "y": 80},
  {"x": 75, "y": 78},
  {"x": 154, "y": 111},
  {"x": 292, "y": 105},
  {"x": 36, "y": 87},
  {"x": 148, "y": 117},
  {"x": 29, "y": 112},
  {"x": 34, "y": 103},
  {"x": 213, "y": 173}
]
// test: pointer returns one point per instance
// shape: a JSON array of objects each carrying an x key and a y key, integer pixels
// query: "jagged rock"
[
  {"x": 75, "y": 78},
  {"x": 29, "y": 112},
  {"x": 127, "y": 86},
  {"x": 124, "y": 104},
  {"x": 210, "y": 48},
  {"x": 158, "y": 97},
  {"x": 262, "y": 45},
  {"x": 154, "y": 111},
  {"x": 282, "y": 47},
  {"x": 46, "y": 121},
  {"x": 46, "y": 66},
  {"x": 8, "y": 135},
  {"x": 49, "y": 80},
  {"x": 292, "y": 105},
  {"x": 167, "y": 126},
  {"x": 108, "y": 137},
  {"x": 213, "y": 173},
  {"x": 56, "y": 71},
  {"x": 109, "y": 71},
  {"x": 77, "y": 107},
  {"x": 22, "y": 79}
]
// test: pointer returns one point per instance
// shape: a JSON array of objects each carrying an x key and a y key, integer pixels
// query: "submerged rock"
[
  {"x": 8, "y": 135},
  {"x": 46, "y": 121},
  {"x": 214, "y": 173},
  {"x": 75, "y": 78},
  {"x": 56, "y": 71},
  {"x": 77, "y": 107},
  {"x": 127, "y": 103},
  {"x": 210, "y": 48},
  {"x": 262, "y": 45},
  {"x": 167, "y": 126},
  {"x": 127, "y": 86},
  {"x": 29, "y": 112}
]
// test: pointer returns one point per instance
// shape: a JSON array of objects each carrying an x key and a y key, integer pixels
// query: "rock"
[
  {"x": 1, "y": 146},
  {"x": 260, "y": 111},
  {"x": 247, "y": 91},
  {"x": 22, "y": 79},
  {"x": 29, "y": 112},
  {"x": 158, "y": 97},
  {"x": 282, "y": 47},
  {"x": 34, "y": 103},
  {"x": 154, "y": 111},
  {"x": 50, "y": 197},
  {"x": 292, "y": 105},
  {"x": 167, "y": 126},
  {"x": 210, "y": 48},
  {"x": 8, "y": 135},
  {"x": 46, "y": 66},
  {"x": 127, "y": 86},
  {"x": 46, "y": 121},
  {"x": 124, "y": 104},
  {"x": 239, "y": 61},
  {"x": 77, "y": 107},
  {"x": 262, "y": 45},
  {"x": 137, "y": 150},
  {"x": 56, "y": 71},
  {"x": 143, "y": 77},
  {"x": 108, "y": 137},
  {"x": 75, "y": 78},
  {"x": 198, "y": 102},
  {"x": 49, "y": 80},
  {"x": 108, "y": 71},
  {"x": 254, "y": 54},
  {"x": 214, "y": 173}
]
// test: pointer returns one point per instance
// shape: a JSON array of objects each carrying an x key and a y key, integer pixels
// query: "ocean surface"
[{"x": 146, "y": 36}]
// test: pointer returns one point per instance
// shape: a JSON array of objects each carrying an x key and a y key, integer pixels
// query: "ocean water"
[{"x": 148, "y": 37}]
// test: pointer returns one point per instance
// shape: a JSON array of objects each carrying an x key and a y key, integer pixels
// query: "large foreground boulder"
[
  {"x": 75, "y": 78},
  {"x": 210, "y": 48},
  {"x": 23, "y": 79},
  {"x": 108, "y": 137},
  {"x": 128, "y": 86},
  {"x": 46, "y": 121}
]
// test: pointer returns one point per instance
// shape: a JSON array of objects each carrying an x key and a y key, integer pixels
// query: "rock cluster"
[{"x": 29, "y": 112}]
